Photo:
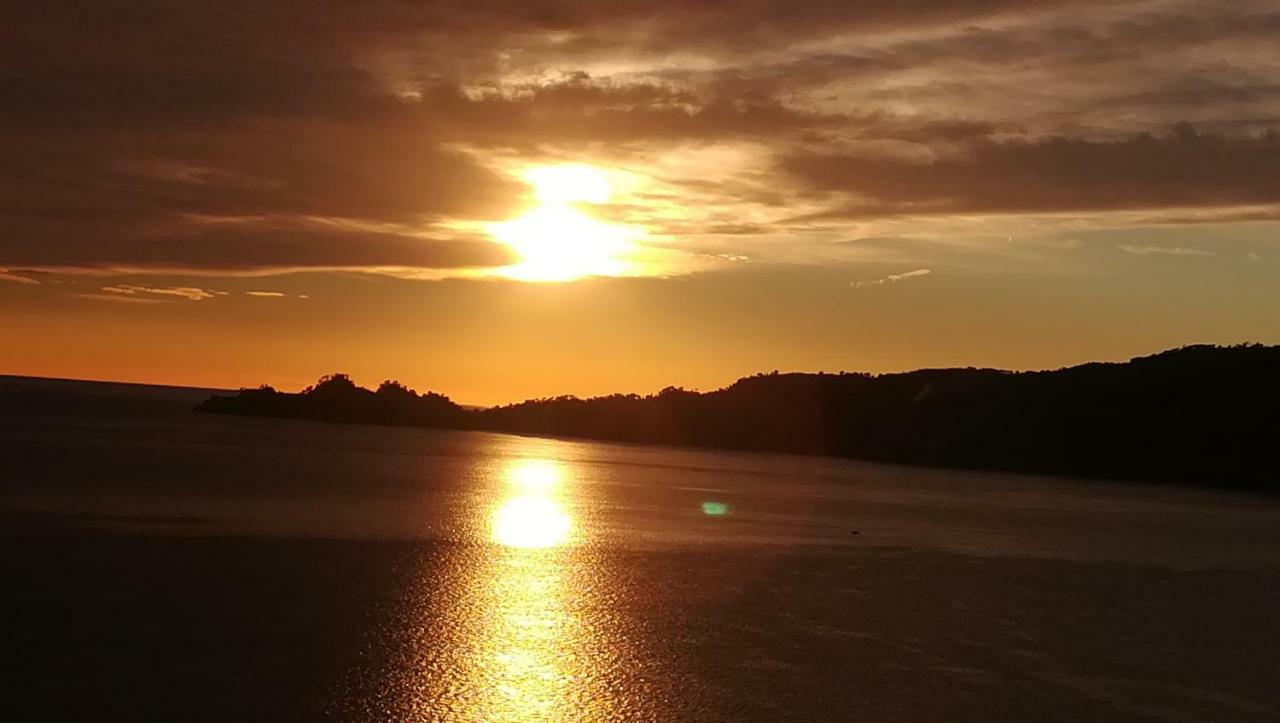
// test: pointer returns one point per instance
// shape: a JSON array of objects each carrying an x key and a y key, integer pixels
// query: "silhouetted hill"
[
  {"x": 335, "y": 398},
  {"x": 35, "y": 396},
  {"x": 1198, "y": 414}
]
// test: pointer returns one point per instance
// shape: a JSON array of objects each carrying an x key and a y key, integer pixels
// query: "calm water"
[{"x": 165, "y": 565}]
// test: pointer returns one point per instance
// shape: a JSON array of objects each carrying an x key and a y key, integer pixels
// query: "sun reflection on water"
[
  {"x": 533, "y": 516},
  {"x": 530, "y": 523},
  {"x": 539, "y": 475},
  {"x": 516, "y": 630},
  {"x": 528, "y": 634}
]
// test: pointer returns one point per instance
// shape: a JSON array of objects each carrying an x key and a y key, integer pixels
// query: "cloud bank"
[{"x": 249, "y": 138}]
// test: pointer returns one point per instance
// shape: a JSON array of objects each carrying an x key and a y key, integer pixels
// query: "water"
[{"x": 165, "y": 565}]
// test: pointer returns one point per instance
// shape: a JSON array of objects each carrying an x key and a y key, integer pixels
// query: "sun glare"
[
  {"x": 568, "y": 184},
  {"x": 531, "y": 523},
  {"x": 559, "y": 240},
  {"x": 537, "y": 475},
  {"x": 533, "y": 516}
]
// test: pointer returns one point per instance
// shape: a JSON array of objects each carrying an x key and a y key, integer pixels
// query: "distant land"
[{"x": 1198, "y": 414}]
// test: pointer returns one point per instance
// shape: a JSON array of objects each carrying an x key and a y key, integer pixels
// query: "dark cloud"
[
  {"x": 121, "y": 198},
  {"x": 334, "y": 133},
  {"x": 376, "y": 170},
  {"x": 578, "y": 113},
  {"x": 1183, "y": 169},
  {"x": 266, "y": 245}
]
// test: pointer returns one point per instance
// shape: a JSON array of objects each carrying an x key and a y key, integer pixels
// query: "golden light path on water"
[
  {"x": 529, "y": 626},
  {"x": 517, "y": 631},
  {"x": 532, "y": 517}
]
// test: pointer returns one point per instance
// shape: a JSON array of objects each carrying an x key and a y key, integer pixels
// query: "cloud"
[
  {"x": 256, "y": 138},
  {"x": 1163, "y": 250},
  {"x": 891, "y": 278},
  {"x": 116, "y": 298},
  {"x": 265, "y": 294},
  {"x": 1183, "y": 169},
  {"x": 219, "y": 246},
  {"x": 17, "y": 278},
  {"x": 190, "y": 293}
]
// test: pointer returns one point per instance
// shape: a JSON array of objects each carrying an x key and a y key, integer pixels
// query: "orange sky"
[{"x": 485, "y": 342}]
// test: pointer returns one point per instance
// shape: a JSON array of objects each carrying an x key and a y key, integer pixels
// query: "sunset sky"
[{"x": 502, "y": 199}]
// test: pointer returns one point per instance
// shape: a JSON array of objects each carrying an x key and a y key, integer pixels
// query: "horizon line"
[{"x": 195, "y": 388}]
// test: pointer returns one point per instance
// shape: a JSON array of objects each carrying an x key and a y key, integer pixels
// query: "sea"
[{"x": 157, "y": 564}]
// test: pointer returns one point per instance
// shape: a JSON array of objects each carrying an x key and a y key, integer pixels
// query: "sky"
[{"x": 500, "y": 200}]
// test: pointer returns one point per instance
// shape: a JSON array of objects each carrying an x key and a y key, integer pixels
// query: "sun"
[{"x": 559, "y": 239}]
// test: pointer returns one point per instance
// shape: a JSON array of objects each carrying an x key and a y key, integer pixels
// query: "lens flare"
[{"x": 715, "y": 509}]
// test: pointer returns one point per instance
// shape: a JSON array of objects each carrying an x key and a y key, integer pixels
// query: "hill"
[{"x": 1203, "y": 414}]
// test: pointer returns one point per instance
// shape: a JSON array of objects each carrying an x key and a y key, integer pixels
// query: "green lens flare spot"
[{"x": 715, "y": 509}]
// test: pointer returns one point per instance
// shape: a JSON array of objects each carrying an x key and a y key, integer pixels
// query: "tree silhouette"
[{"x": 1201, "y": 413}]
